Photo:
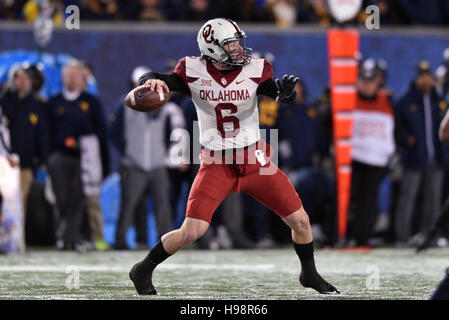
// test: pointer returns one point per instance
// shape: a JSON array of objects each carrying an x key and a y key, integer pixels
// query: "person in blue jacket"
[
  {"x": 27, "y": 125},
  {"x": 419, "y": 113},
  {"x": 78, "y": 152}
]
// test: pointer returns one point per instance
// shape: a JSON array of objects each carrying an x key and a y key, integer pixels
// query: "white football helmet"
[{"x": 215, "y": 35}]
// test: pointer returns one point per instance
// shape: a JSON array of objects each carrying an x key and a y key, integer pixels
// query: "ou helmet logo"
[{"x": 208, "y": 32}]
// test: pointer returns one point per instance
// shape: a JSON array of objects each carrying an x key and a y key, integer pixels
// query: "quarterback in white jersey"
[
  {"x": 226, "y": 104},
  {"x": 223, "y": 84}
]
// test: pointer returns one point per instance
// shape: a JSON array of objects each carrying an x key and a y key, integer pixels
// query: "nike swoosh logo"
[
  {"x": 238, "y": 82},
  {"x": 140, "y": 95}
]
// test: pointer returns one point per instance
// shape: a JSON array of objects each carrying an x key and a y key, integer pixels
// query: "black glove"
[{"x": 286, "y": 90}]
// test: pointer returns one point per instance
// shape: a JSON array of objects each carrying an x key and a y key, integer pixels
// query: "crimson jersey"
[{"x": 226, "y": 104}]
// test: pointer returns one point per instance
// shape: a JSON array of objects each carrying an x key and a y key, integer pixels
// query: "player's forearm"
[
  {"x": 268, "y": 88},
  {"x": 173, "y": 81}
]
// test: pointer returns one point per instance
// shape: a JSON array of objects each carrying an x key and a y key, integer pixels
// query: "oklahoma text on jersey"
[{"x": 225, "y": 95}]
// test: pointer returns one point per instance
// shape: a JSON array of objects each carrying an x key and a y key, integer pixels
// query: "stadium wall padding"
[{"x": 114, "y": 54}]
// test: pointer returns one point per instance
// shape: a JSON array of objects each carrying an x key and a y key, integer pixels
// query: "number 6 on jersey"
[{"x": 227, "y": 119}]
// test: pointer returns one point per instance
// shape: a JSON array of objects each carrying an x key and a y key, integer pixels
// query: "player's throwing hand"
[{"x": 157, "y": 85}]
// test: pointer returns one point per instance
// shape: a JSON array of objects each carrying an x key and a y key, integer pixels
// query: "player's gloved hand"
[{"x": 286, "y": 90}]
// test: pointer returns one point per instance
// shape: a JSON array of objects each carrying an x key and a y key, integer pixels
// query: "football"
[{"x": 143, "y": 99}]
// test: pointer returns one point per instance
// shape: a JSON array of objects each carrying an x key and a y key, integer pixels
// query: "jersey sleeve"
[
  {"x": 267, "y": 72},
  {"x": 267, "y": 86},
  {"x": 180, "y": 70},
  {"x": 176, "y": 81}
]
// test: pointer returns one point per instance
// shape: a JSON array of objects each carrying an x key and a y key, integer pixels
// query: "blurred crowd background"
[
  {"x": 284, "y": 13},
  {"x": 98, "y": 175}
]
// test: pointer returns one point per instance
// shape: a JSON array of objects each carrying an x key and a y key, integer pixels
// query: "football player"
[{"x": 223, "y": 84}]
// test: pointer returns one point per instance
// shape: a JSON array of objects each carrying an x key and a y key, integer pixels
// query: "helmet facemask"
[{"x": 231, "y": 47}]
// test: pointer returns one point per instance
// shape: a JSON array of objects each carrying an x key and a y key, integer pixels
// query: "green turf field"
[{"x": 224, "y": 274}]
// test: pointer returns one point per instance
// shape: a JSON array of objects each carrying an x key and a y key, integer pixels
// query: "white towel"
[{"x": 91, "y": 168}]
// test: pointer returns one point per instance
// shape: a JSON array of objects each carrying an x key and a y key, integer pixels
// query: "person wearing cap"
[
  {"x": 442, "y": 223},
  {"x": 27, "y": 125},
  {"x": 142, "y": 140},
  {"x": 419, "y": 113},
  {"x": 372, "y": 148}
]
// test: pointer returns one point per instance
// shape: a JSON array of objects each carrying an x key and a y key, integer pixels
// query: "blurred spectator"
[
  {"x": 5, "y": 143},
  {"x": 441, "y": 226},
  {"x": 197, "y": 10},
  {"x": 418, "y": 119},
  {"x": 284, "y": 12},
  {"x": 144, "y": 9},
  {"x": 313, "y": 11},
  {"x": 27, "y": 125},
  {"x": 390, "y": 11},
  {"x": 11, "y": 9},
  {"x": 373, "y": 145},
  {"x": 149, "y": 10},
  {"x": 302, "y": 148},
  {"x": 100, "y": 10},
  {"x": 203, "y": 10},
  {"x": 172, "y": 9},
  {"x": 380, "y": 68},
  {"x": 5, "y": 148},
  {"x": 95, "y": 215},
  {"x": 129, "y": 9},
  {"x": 11, "y": 213},
  {"x": 79, "y": 154},
  {"x": 141, "y": 138},
  {"x": 53, "y": 8},
  {"x": 425, "y": 12},
  {"x": 231, "y": 9}
]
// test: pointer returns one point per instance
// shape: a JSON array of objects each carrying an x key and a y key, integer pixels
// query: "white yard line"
[{"x": 103, "y": 268}]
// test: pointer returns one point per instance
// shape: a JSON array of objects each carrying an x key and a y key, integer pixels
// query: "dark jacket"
[
  {"x": 300, "y": 125},
  {"x": 28, "y": 128},
  {"x": 77, "y": 118},
  {"x": 410, "y": 119}
]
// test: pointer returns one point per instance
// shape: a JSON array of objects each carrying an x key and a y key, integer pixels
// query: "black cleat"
[
  {"x": 315, "y": 281},
  {"x": 142, "y": 280}
]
